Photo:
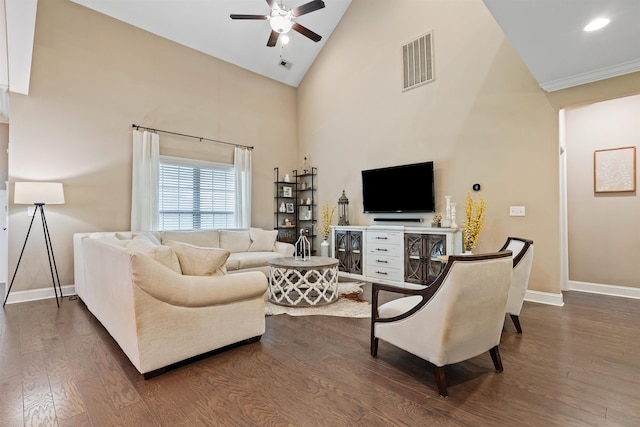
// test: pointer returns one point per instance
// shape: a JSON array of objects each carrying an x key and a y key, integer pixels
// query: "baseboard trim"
[
  {"x": 602, "y": 289},
  {"x": 38, "y": 294},
  {"x": 544, "y": 298}
]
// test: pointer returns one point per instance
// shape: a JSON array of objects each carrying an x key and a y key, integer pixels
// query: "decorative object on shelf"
[
  {"x": 453, "y": 216},
  {"x": 282, "y": 207},
  {"x": 446, "y": 221},
  {"x": 309, "y": 201},
  {"x": 475, "y": 212},
  {"x": 303, "y": 247},
  {"x": 303, "y": 186},
  {"x": 435, "y": 223},
  {"x": 287, "y": 178},
  {"x": 286, "y": 222},
  {"x": 286, "y": 191},
  {"x": 290, "y": 208},
  {"x": 343, "y": 209},
  {"x": 324, "y": 228}
]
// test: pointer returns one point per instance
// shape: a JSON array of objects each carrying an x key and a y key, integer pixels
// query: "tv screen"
[{"x": 405, "y": 188}]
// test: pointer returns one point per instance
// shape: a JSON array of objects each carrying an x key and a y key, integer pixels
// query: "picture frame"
[
  {"x": 289, "y": 208},
  {"x": 287, "y": 191},
  {"x": 614, "y": 170}
]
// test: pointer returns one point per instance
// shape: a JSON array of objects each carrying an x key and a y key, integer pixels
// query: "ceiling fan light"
[
  {"x": 280, "y": 24},
  {"x": 284, "y": 39}
]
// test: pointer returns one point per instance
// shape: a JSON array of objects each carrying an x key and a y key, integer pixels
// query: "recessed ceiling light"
[{"x": 596, "y": 24}]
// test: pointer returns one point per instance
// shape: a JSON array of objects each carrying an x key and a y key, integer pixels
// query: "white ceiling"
[
  {"x": 205, "y": 25},
  {"x": 547, "y": 34}
]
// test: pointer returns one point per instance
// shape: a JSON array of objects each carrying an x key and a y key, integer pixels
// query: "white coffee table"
[{"x": 311, "y": 282}]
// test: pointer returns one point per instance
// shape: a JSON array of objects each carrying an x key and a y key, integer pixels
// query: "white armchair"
[
  {"x": 522, "y": 262},
  {"x": 457, "y": 317}
]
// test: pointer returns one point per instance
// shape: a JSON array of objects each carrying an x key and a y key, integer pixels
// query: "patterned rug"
[{"x": 349, "y": 304}]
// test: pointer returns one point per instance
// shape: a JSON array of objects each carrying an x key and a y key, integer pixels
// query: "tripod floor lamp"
[{"x": 39, "y": 194}]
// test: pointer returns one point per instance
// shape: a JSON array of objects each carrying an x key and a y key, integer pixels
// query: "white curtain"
[
  {"x": 144, "y": 191},
  {"x": 242, "y": 162}
]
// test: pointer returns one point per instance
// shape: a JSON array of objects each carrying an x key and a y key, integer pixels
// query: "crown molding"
[{"x": 592, "y": 76}]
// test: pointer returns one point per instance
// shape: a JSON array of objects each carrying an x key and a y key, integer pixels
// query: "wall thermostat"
[{"x": 476, "y": 187}]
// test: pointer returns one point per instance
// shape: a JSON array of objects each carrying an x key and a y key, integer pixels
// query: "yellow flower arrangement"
[
  {"x": 324, "y": 228},
  {"x": 475, "y": 220}
]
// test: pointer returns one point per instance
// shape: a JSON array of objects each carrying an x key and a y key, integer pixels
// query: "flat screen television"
[{"x": 404, "y": 188}]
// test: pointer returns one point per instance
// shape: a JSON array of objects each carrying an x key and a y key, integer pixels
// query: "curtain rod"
[{"x": 137, "y": 127}]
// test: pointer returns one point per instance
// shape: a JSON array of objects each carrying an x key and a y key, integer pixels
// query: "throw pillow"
[
  {"x": 262, "y": 240},
  {"x": 163, "y": 254},
  {"x": 198, "y": 260}
]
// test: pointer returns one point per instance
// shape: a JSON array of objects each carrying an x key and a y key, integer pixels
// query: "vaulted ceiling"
[{"x": 547, "y": 34}]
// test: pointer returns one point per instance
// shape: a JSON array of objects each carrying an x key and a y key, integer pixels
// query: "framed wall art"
[
  {"x": 286, "y": 191},
  {"x": 614, "y": 170},
  {"x": 290, "y": 208}
]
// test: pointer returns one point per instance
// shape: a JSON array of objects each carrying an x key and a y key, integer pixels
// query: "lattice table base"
[{"x": 303, "y": 285}]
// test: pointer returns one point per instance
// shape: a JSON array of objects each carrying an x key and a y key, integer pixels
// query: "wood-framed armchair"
[
  {"x": 459, "y": 316},
  {"x": 522, "y": 262}
]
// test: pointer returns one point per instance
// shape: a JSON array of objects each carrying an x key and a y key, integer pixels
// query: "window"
[{"x": 196, "y": 194}]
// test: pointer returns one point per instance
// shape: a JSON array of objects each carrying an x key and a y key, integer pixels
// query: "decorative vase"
[
  {"x": 446, "y": 221},
  {"x": 453, "y": 216},
  {"x": 283, "y": 208},
  {"x": 324, "y": 248}
]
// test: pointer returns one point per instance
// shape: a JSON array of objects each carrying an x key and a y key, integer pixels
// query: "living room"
[{"x": 483, "y": 120}]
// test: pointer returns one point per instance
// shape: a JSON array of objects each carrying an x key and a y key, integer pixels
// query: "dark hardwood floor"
[{"x": 574, "y": 366}]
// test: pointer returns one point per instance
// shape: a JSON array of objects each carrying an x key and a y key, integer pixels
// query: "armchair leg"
[
  {"x": 441, "y": 381},
  {"x": 495, "y": 356},
  {"x": 516, "y": 322}
]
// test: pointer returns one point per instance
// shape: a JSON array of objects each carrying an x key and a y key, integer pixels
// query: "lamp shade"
[{"x": 31, "y": 193}]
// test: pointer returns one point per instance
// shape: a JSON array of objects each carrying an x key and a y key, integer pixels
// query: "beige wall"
[
  {"x": 484, "y": 119},
  {"x": 604, "y": 233},
  {"x": 92, "y": 77},
  {"x": 4, "y": 162}
]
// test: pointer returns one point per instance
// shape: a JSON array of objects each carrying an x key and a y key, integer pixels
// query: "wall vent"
[{"x": 417, "y": 62}]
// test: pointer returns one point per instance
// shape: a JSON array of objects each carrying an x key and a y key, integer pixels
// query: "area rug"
[{"x": 349, "y": 304}]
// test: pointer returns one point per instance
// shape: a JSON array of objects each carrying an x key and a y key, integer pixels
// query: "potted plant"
[
  {"x": 324, "y": 227},
  {"x": 475, "y": 213}
]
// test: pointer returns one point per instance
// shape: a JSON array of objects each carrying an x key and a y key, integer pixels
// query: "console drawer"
[
  {"x": 378, "y": 272},
  {"x": 376, "y": 260}
]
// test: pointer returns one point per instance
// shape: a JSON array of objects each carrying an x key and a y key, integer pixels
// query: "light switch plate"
[{"x": 516, "y": 210}]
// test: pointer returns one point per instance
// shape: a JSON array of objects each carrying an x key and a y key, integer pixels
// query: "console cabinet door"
[
  {"x": 414, "y": 258},
  {"x": 348, "y": 251},
  {"x": 421, "y": 257}
]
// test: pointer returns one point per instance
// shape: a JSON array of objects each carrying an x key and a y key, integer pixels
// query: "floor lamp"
[{"x": 39, "y": 194}]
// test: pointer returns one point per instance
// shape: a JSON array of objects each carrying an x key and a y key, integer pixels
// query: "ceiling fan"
[{"x": 282, "y": 18}]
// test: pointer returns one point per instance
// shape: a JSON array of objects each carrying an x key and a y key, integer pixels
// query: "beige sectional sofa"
[{"x": 168, "y": 296}]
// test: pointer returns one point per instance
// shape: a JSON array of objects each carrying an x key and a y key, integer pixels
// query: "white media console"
[{"x": 396, "y": 255}]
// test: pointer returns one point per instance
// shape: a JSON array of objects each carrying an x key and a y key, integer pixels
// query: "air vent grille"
[{"x": 417, "y": 62}]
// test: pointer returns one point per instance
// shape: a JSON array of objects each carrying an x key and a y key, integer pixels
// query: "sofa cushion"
[
  {"x": 163, "y": 254},
  {"x": 262, "y": 240},
  {"x": 235, "y": 241},
  {"x": 202, "y": 238},
  {"x": 240, "y": 260},
  {"x": 199, "y": 260},
  {"x": 108, "y": 238}
]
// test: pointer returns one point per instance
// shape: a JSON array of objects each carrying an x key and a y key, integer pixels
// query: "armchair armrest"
[{"x": 176, "y": 289}]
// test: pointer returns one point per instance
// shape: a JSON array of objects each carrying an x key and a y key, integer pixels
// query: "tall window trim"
[{"x": 196, "y": 194}]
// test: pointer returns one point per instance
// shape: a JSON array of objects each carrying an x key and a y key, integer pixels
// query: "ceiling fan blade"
[
  {"x": 273, "y": 38},
  {"x": 307, "y": 7},
  {"x": 306, "y": 32},
  {"x": 240, "y": 16},
  {"x": 270, "y": 3}
]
